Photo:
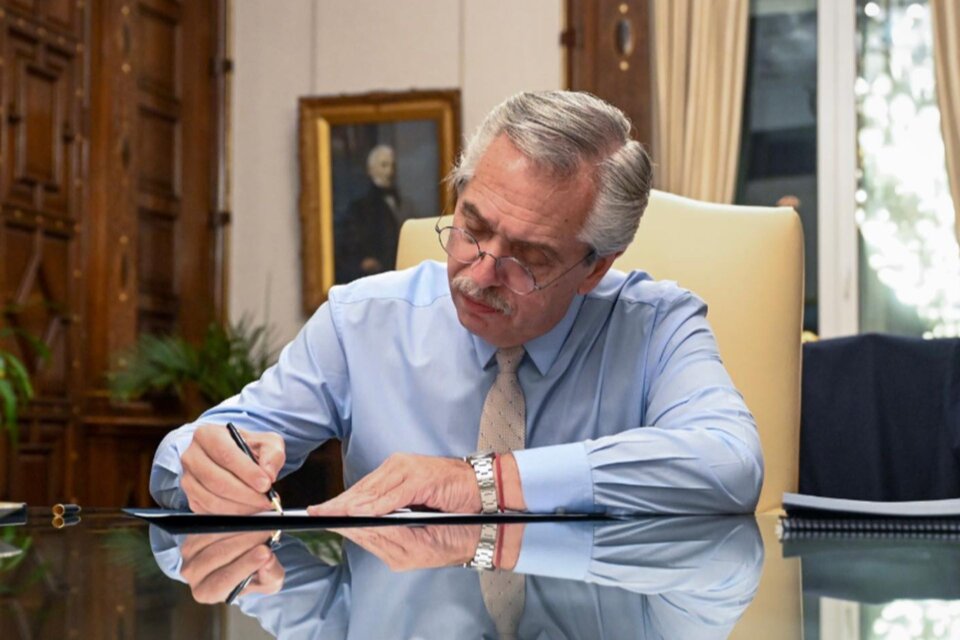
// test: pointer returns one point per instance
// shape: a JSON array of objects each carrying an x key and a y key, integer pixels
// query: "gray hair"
[{"x": 561, "y": 132}]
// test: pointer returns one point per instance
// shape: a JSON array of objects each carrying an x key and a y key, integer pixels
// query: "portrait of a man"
[
  {"x": 370, "y": 162},
  {"x": 383, "y": 173},
  {"x": 367, "y": 242}
]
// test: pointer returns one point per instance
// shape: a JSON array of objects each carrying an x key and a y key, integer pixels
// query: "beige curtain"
[
  {"x": 946, "y": 62},
  {"x": 700, "y": 51}
]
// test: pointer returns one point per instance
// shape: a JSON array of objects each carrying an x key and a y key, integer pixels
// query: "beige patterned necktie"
[{"x": 502, "y": 429}]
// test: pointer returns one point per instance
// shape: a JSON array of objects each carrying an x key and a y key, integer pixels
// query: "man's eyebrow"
[{"x": 471, "y": 211}]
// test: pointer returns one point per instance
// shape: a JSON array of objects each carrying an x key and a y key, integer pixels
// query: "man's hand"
[
  {"x": 214, "y": 564},
  {"x": 219, "y": 478},
  {"x": 407, "y": 548},
  {"x": 444, "y": 484}
]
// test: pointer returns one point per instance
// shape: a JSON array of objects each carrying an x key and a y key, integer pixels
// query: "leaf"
[
  {"x": 20, "y": 378},
  {"x": 9, "y": 400}
]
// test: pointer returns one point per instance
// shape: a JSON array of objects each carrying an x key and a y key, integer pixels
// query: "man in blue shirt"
[{"x": 625, "y": 404}]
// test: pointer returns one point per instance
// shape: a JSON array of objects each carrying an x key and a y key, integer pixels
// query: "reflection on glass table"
[
  {"x": 883, "y": 587},
  {"x": 109, "y": 577},
  {"x": 684, "y": 577}
]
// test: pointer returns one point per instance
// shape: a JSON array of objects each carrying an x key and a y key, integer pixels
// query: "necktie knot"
[{"x": 509, "y": 359}]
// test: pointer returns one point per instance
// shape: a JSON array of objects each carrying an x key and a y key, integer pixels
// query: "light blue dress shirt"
[{"x": 628, "y": 406}]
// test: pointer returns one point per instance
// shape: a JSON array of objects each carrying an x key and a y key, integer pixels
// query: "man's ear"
[{"x": 600, "y": 266}]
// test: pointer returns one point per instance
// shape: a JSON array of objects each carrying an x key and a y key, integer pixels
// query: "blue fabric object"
[
  {"x": 628, "y": 406},
  {"x": 880, "y": 418}
]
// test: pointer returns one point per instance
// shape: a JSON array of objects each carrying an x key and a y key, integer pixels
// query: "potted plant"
[{"x": 228, "y": 357}]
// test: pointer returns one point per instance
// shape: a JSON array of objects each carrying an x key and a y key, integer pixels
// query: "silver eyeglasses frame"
[{"x": 498, "y": 261}]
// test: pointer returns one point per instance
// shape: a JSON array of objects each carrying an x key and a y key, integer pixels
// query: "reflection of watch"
[
  {"x": 482, "y": 464},
  {"x": 483, "y": 556}
]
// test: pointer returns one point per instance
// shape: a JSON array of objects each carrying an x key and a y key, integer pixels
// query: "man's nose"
[{"x": 484, "y": 271}]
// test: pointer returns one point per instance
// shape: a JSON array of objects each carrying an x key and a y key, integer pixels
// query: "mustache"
[{"x": 489, "y": 297}]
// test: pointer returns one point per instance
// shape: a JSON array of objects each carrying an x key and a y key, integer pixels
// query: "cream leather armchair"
[{"x": 747, "y": 264}]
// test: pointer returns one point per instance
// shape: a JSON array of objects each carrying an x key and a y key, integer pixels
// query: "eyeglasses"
[{"x": 463, "y": 247}]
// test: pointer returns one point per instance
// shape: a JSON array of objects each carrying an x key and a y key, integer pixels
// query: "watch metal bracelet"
[
  {"x": 486, "y": 548},
  {"x": 483, "y": 469}
]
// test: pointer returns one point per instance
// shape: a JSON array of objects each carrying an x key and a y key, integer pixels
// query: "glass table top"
[{"x": 114, "y": 576}]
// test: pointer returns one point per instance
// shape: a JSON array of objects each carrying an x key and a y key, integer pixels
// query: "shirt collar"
[{"x": 543, "y": 350}]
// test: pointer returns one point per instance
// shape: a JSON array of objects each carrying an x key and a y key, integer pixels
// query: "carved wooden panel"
[
  {"x": 152, "y": 257},
  {"x": 609, "y": 54},
  {"x": 117, "y": 459},
  {"x": 42, "y": 94},
  {"x": 41, "y": 120},
  {"x": 157, "y": 54},
  {"x": 38, "y": 477},
  {"x": 62, "y": 16}
]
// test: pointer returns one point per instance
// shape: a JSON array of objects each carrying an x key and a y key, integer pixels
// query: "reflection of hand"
[
  {"x": 219, "y": 478},
  {"x": 371, "y": 265},
  {"x": 444, "y": 484},
  {"x": 213, "y": 564},
  {"x": 404, "y": 548}
]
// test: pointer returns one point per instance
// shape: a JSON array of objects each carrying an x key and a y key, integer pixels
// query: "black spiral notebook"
[{"x": 810, "y": 517}]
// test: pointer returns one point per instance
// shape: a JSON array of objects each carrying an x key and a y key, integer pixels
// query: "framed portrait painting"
[{"x": 368, "y": 163}]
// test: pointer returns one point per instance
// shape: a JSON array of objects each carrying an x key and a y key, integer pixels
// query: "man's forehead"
[{"x": 470, "y": 211}]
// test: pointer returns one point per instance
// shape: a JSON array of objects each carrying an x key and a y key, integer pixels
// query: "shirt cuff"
[
  {"x": 556, "y": 479},
  {"x": 556, "y": 550}
]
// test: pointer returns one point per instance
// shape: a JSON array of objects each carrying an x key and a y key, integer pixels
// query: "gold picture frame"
[{"x": 338, "y": 138}]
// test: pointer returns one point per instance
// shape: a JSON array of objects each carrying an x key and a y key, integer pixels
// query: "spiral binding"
[{"x": 793, "y": 527}]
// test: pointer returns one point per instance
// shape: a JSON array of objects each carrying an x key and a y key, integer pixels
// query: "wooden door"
[
  {"x": 609, "y": 54},
  {"x": 111, "y": 138},
  {"x": 153, "y": 242}
]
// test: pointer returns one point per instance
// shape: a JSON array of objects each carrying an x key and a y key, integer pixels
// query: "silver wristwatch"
[
  {"x": 486, "y": 547},
  {"x": 482, "y": 464}
]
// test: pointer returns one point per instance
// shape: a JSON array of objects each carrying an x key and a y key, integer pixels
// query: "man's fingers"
[
  {"x": 194, "y": 543},
  {"x": 269, "y": 450},
  {"x": 205, "y": 559},
  {"x": 201, "y": 500},
  {"x": 269, "y": 578},
  {"x": 223, "y": 484},
  {"x": 383, "y": 542},
  {"x": 218, "y": 584},
  {"x": 216, "y": 442},
  {"x": 379, "y": 493}
]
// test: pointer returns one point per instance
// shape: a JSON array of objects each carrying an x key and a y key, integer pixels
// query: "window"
[
  {"x": 909, "y": 277},
  {"x": 778, "y": 160}
]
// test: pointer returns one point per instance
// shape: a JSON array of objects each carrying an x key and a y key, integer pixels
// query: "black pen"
[{"x": 272, "y": 495}]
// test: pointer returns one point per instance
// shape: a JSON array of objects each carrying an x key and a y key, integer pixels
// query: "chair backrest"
[{"x": 747, "y": 264}]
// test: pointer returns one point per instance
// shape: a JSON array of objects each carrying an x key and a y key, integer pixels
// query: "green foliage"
[
  {"x": 227, "y": 359},
  {"x": 327, "y": 546},
  {"x": 15, "y": 387},
  {"x": 14, "y": 539},
  {"x": 13, "y": 582},
  {"x": 130, "y": 547}
]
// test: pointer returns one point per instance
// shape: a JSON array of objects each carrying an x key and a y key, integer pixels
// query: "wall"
[{"x": 490, "y": 49}]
